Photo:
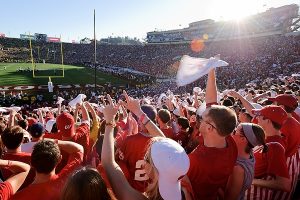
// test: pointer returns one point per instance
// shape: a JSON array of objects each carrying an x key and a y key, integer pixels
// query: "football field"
[{"x": 22, "y": 74}]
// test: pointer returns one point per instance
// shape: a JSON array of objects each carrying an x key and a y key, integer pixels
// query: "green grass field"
[{"x": 9, "y": 75}]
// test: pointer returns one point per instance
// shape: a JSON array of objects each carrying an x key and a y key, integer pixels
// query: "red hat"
[
  {"x": 286, "y": 100},
  {"x": 273, "y": 113},
  {"x": 65, "y": 124}
]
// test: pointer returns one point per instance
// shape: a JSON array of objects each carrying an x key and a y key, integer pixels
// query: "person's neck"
[
  {"x": 42, "y": 178},
  {"x": 272, "y": 132},
  {"x": 17, "y": 150},
  {"x": 289, "y": 115},
  {"x": 162, "y": 125},
  {"x": 215, "y": 141}
]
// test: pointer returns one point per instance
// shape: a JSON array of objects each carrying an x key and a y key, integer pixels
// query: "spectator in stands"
[
  {"x": 36, "y": 131},
  {"x": 247, "y": 136},
  {"x": 44, "y": 158},
  {"x": 216, "y": 155},
  {"x": 163, "y": 119},
  {"x": 271, "y": 171},
  {"x": 162, "y": 154}
]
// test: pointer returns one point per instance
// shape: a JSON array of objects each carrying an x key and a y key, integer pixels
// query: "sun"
[{"x": 236, "y": 9}]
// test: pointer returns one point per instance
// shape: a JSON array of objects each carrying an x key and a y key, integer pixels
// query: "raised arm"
[
  {"x": 96, "y": 125},
  {"x": 134, "y": 106},
  {"x": 19, "y": 169},
  {"x": 211, "y": 88},
  {"x": 249, "y": 107},
  {"x": 119, "y": 184},
  {"x": 41, "y": 118},
  {"x": 84, "y": 112},
  {"x": 11, "y": 119}
]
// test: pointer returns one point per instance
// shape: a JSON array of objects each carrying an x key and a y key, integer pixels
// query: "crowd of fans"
[
  {"x": 239, "y": 138},
  {"x": 204, "y": 145}
]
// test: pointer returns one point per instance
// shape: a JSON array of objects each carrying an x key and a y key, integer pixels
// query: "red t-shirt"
[
  {"x": 6, "y": 191},
  {"x": 168, "y": 132},
  {"x": 210, "y": 168},
  {"x": 271, "y": 163},
  {"x": 51, "y": 189},
  {"x": 291, "y": 130},
  {"x": 182, "y": 138},
  {"x": 132, "y": 152},
  {"x": 22, "y": 157}
]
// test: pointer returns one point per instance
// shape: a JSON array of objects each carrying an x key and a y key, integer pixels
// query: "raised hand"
[
  {"x": 110, "y": 110},
  {"x": 132, "y": 104},
  {"x": 234, "y": 94}
]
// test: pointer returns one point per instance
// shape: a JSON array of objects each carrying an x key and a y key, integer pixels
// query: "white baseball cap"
[{"x": 172, "y": 163}]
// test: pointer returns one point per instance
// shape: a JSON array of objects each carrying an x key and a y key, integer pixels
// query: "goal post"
[{"x": 50, "y": 69}]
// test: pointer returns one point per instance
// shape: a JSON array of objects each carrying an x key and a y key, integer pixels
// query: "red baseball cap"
[
  {"x": 286, "y": 100},
  {"x": 65, "y": 124},
  {"x": 273, "y": 113}
]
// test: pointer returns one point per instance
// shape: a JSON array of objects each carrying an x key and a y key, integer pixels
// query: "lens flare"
[{"x": 197, "y": 45}]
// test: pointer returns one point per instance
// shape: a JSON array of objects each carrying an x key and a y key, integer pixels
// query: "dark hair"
[
  {"x": 276, "y": 125},
  {"x": 260, "y": 136},
  {"x": 185, "y": 124},
  {"x": 227, "y": 103},
  {"x": 45, "y": 156},
  {"x": 23, "y": 123},
  {"x": 150, "y": 112},
  {"x": 164, "y": 115},
  {"x": 224, "y": 118},
  {"x": 12, "y": 137},
  {"x": 85, "y": 183}
]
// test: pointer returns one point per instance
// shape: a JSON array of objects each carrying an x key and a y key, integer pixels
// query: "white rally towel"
[
  {"x": 78, "y": 99},
  {"x": 191, "y": 69},
  {"x": 60, "y": 100},
  {"x": 2, "y": 109}
]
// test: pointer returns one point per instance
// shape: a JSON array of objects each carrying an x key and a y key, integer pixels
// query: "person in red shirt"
[
  {"x": 12, "y": 184},
  {"x": 163, "y": 118},
  {"x": 182, "y": 137},
  {"x": 67, "y": 128},
  {"x": 44, "y": 159},
  {"x": 12, "y": 139},
  {"x": 212, "y": 162},
  {"x": 165, "y": 161},
  {"x": 132, "y": 152},
  {"x": 291, "y": 130},
  {"x": 271, "y": 172}
]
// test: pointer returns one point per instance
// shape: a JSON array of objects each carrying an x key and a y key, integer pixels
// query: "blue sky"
[{"x": 73, "y": 19}]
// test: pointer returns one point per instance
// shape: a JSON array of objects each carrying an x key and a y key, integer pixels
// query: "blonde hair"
[{"x": 152, "y": 191}]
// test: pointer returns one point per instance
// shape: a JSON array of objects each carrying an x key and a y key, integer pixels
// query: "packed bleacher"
[{"x": 265, "y": 56}]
